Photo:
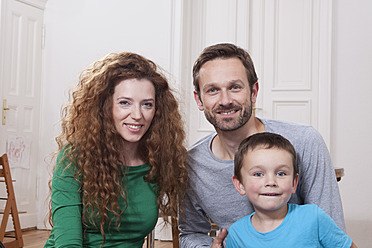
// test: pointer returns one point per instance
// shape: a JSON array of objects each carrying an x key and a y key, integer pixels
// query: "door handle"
[{"x": 5, "y": 108}]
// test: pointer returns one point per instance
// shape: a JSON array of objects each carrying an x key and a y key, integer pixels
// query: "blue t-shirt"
[{"x": 304, "y": 226}]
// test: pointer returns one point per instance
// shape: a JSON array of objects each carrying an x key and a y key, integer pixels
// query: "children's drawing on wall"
[{"x": 18, "y": 151}]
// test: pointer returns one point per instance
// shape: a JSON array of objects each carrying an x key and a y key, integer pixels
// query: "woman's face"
[{"x": 133, "y": 108}]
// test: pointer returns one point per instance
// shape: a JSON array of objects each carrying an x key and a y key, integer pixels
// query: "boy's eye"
[
  {"x": 258, "y": 174},
  {"x": 281, "y": 173}
]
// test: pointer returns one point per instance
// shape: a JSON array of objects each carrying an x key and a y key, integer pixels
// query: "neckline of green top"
[{"x": 137, "y": 167}]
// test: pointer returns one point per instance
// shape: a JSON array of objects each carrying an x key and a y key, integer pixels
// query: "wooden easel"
[{"x": 10, "y": 207}]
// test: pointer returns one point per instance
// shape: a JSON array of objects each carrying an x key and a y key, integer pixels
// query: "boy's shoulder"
[
  {"x": 306, "y": 209},
  {"x": 307, "y": 216},
  {"x": 242, "y": 222}
]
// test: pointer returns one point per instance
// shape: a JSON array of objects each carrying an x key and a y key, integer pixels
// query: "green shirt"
[{"x": 138, "y": 219}]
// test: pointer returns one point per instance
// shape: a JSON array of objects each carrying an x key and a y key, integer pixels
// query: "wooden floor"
[
  {"x": 37, "y": 239},
  {"x": 33, "y": 238}
]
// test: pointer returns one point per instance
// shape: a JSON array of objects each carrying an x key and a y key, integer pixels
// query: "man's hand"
[{"x": 218, "y": 241}]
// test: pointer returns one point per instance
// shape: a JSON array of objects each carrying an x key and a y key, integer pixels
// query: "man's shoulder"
[
  {"x": 201, "y": 143},
  {"x": 289, "y": 129},
  {"x": 281, "y": 124},
  {"x": 200, "y": 152}
]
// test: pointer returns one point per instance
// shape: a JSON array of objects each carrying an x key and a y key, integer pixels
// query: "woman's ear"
[{"x": 238, "y": 185}]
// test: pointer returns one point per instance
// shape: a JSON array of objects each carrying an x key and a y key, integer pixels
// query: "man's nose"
[{"x": 225, "y": 98}]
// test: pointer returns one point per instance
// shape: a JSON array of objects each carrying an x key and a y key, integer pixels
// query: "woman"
[{"x": 121, "y": 156}]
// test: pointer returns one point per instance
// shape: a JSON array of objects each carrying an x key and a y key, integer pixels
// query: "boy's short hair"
[{"x": 264, "y": 140}]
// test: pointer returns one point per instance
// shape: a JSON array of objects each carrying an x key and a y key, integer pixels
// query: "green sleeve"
[{"x": 66, "y": 206}]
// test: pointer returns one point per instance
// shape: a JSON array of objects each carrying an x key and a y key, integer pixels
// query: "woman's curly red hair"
[{"x": 88, "y": 130}]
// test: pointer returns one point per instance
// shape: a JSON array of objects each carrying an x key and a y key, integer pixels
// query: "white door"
[
  {"x": 21, "y": 39},
  {"x": 289, "y": 41},
  {"x": 293, "y": 44}
]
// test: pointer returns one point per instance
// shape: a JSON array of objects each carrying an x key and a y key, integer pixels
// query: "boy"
[{"x": 266, "y": 172}]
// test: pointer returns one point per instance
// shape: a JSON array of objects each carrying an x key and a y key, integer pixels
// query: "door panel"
[{"x": 289, "y": 79}]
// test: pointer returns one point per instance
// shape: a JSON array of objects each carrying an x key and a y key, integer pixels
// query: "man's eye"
[
  {"x": 235, "y": 87},
  {"x": 213, "y": 90}
]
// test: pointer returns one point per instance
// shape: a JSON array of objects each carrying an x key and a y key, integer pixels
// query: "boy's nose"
[
  {"x": 270, "y": 181},
  {"x": 271, "y": 184}
]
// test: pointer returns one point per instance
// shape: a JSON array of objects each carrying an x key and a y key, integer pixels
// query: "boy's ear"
[
  {"x": 295, "y": 183},
  {"x": 238, "y": 185}
]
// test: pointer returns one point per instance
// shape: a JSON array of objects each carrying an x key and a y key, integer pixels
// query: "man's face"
[{"x": 225, "y": 96}]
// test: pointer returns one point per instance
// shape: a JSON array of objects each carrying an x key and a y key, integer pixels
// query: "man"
[{"x": 226, "y": 86}]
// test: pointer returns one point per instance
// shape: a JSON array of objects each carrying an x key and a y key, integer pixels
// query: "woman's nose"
[{"x": 136, "y": 113}]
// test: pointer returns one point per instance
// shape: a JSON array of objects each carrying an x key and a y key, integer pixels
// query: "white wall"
[
  {"x": 352, "y": 113},
  {"x": 79, "y": 32}
]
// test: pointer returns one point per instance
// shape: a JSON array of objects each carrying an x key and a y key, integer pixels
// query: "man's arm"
[
  {"x": 194, "y": 225},
  {"x": 319, "y": 184}
]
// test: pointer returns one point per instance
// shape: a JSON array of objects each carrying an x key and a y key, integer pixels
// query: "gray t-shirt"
[{"x": 213, "y": 195}]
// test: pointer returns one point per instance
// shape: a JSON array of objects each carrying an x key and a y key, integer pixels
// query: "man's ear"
[
  {"x": 295, "y": 183},
  {"x": 198, "y": 101},
  {"x": 254, "y": 92},
  {"x": 238, "y": 185}
]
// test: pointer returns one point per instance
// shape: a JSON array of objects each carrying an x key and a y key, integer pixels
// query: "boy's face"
[{"x": 267, "y": 178}]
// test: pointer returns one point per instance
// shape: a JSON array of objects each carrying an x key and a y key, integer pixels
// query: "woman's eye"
[
  {"x": 123, "y": 103},
  {"x": 148, "y": 104}
]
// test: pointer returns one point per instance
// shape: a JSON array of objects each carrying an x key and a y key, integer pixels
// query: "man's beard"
[{"x": 230, "y": 124}]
